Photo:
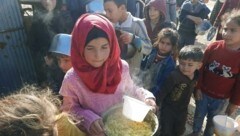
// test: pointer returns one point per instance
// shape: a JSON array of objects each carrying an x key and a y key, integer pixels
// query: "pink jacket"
[{"x": 81, "y": 102}]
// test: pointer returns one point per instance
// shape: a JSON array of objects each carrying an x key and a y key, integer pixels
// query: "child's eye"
[
  {"x": 89, "y": 48},
  {"x": 105, "y": 47},
  {"x": 109, "y": 11},
  {"x": 162, "y": 42},
  {"x": 232, "y": 30}
]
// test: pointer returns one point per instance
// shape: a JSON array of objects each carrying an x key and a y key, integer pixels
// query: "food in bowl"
[{"x": 116, "y": 124}]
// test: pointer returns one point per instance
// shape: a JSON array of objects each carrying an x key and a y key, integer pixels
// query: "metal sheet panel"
[{"x": 16, "y": 66}]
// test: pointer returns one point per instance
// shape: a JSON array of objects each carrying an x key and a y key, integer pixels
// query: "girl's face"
[
  {"x": 154, "y": 14},
  {"x": 64, "y": 63},
  {"x": 97, "y": 52},
  {"x": 49, "y": 4},
  {"x": 165, "y": 46},
  {"x": 231, "y": 34}
]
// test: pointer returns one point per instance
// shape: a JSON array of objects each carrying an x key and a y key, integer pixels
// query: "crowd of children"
[{"x": 171, "y": 69}]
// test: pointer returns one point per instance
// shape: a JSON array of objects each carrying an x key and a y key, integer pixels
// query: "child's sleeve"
[
  {"x": 166, "y": 88},
  {"x": 183, "y": 15},
  {"x": 204, "y": 12},
  {"x": 67, "y": 128},
  {"x": 72, "y": 105},
  {"x": 184, "y": 12},
  {"x": 164, "y": 72}
]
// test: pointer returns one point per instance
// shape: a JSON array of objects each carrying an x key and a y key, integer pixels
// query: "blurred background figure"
[
  {"x": 171, "y": 8},
  {"x": 155, "y": 18},
  {"x": 227, "y": 6},
  {"x": 48, "y": 21}
]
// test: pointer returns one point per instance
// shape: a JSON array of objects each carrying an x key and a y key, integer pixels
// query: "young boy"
[
  {"x": 177, "y": 90},
  {"x": 133, "y": 31},
  {"x": 60, "y": 50},
  {"x": 60, "y": 47},
  {"x": 192, "y": 13},
  {"x": 218, "y": 87}
]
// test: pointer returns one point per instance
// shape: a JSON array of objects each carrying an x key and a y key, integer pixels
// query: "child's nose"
[
  {"x": 97, "y": 54},
  {"x": 107, "y": 14}
]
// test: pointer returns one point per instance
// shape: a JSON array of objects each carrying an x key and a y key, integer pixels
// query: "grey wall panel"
[{"x": 16, "y": 66}]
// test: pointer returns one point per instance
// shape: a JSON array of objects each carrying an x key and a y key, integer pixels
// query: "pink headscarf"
[
  {"x": 106, "y": 78},
  {"x": 157, "y": 4}
]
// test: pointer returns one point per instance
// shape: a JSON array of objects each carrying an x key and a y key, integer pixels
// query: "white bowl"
[
  {"x": 134, "y": 109},
  {"x": 224, "y": 125}
]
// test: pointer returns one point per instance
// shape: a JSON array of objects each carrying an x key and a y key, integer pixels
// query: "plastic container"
[
  {"x": 224, "y": 125},
  {"x": 134, "y": 109}
]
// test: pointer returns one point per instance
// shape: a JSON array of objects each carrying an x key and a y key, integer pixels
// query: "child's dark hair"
[
  {"x": 118, "y": 2},
  {"x": 167, "y": 33},
  {"x": 191, "y": 52},
  {"x": 232, "y": 15},
  {"x": 95, "y": 33}
]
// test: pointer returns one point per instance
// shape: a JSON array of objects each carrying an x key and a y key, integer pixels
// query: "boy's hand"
[
  {"x": 97, "y": 128},
  {"x": 198, "y": 94},
  {"x": 231, "y": 108},
  {"x": 126, "y": 38},
  {"x": 151, "y": 102}
]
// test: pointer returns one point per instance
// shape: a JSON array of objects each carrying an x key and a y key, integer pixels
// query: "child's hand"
[
  {"x": 231, "y": 108},
  {"x": 126, "y": 38},
  {"x": 151, "y": 102},
  {"x": 198, "y": 94},
  {"x": 97, "y": 128}
]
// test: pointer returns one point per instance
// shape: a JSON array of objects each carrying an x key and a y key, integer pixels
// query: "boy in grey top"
[{"x": 132, "y": 31}]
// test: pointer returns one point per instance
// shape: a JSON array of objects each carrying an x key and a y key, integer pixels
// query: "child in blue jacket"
[{"x": 160, "y": 62}]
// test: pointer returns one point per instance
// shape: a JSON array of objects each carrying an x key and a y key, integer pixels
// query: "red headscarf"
[{"x": 106, "y": 78}]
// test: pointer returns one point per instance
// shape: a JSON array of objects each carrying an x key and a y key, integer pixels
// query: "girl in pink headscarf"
[
  {"x": 99, "y": 78},
  {"x": 155, "y": 18}
]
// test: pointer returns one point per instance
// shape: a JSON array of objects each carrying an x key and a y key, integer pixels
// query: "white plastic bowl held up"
[
  {"x": 134, "y": 109},
  {"x": 224, "y": 126}
]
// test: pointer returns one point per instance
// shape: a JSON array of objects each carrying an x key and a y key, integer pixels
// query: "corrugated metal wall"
[{"x": 15, "y": 61}]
